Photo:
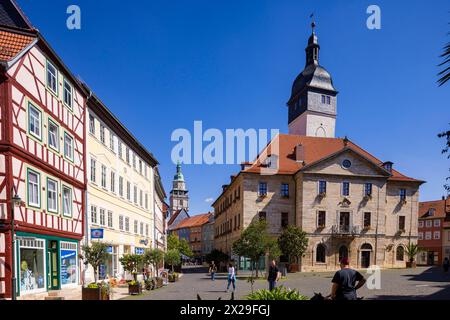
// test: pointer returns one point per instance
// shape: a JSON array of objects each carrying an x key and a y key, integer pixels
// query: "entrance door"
[
  {"x": 344, "y": 221},
  {"x": 53, "y": 265},
  {"x": 430, "y": 261},
  {"x": 365, "y": 259}
]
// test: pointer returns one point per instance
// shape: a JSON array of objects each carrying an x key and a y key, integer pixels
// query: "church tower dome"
[
  {"x": 179, "y": 196},
  {"x": 313, "y": 101}
]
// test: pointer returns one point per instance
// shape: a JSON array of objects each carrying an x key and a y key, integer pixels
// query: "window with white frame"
[
  {"x": 428, "y": 235},
  {"x": 52, "y": 195},
  {"x": 140, "y": 166},
  {"x": 34, "y": 187},
  {"x": 127, "y": 155},
  {"x": 103, "y": 180},
  {"x": 135, "y": 195},
  {"x": 93, "y": 214},
  {"x": 93, "y": 170},
  {"x": 52, "y": 77},
  {"x": 420, "y": 224},
  {"x": 128, "y": 191},
  {"x": 34, "y": 121},
  {"x": 437, "y": 223},
  {"x": 146, "y": 230},
  {"x": 111, "y": 142},
  {"x": 53, "y": 135},
  {"x": 67, "y": 201},
  {"x": 127, "y": 224},
  {"x": 68, "y": 146},
  {"x": 135, "y": 226},
  {"x": 102, "y": 217},
  {"x": 146, "y": 201},
  {"x": 141, "y": 198},
  {"x": 134, "y": 161},
  {"x": 141, "y": 229},
  {"x": 121, "y": 186},
  {"x": 145, "y": 170},
  {"x": 67, "y": 93},
  {"x": 102, "y": 133},
  {"x": 121, "y": 223},
  {"x": 110, "y": 219},
  {"x": 429, "y": 223},
  {"x": 91, "y": 124},
  {"x": 437, "y": 235},
  {"x": 420, "y": 235},
  {"x": 113, "y": 182},
  {"x": 119, "y": 148}
]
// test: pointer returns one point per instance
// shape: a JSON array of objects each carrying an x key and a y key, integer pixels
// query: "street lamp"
[{"x": 16, "y": 201}]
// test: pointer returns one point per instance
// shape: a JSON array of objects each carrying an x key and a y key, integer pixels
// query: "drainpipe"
[{"x": 376, "y": 228}]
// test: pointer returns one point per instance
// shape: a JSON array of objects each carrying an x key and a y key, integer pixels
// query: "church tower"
[
  {"x": 312, "y": 106},
  {"x": 179, "y": 198}
]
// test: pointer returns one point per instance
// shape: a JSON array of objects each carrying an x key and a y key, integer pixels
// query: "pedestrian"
[
  {"x": 231, "y": 277},
  {"x": 213, "y": 270},
  {"x": 274, "y": 275},
  {"x": 345, "y": 282},
  {"x": 446, "y": 264}
]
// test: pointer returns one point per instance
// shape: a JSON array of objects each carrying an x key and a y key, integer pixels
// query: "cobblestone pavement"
[{"x": 404, "y": 284}]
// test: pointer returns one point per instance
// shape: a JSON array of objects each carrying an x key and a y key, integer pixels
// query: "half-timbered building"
[{"x": 42, "y": 141}]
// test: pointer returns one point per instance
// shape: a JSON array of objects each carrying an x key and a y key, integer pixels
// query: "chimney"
[{"x": 299, "y": 153}]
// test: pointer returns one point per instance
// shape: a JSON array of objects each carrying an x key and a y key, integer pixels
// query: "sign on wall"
[{"x": 96, "y": 233}]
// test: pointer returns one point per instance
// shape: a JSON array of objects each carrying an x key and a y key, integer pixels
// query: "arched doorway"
[
  {"x": 343, "y": 252},
  {"x": 366, "y": 252}
]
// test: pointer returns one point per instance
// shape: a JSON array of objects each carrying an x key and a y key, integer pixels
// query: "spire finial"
[{"x": 313, "y": 23}]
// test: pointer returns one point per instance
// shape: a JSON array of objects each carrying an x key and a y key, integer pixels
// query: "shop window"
[
  {"x": 32, "y": 267},
  {"x": 69, "y": 268}
]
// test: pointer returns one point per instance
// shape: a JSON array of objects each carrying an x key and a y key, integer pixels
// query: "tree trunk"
[{"x": 96, "y": 273}]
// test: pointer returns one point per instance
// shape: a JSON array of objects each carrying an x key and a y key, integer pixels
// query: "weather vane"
[{"x": 313, "y": 24}]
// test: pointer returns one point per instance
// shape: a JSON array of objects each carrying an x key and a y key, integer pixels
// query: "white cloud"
[{"x": 209, "y": 200}]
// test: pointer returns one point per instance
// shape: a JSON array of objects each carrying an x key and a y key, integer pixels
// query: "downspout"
[{"x": 376, "y": 228}]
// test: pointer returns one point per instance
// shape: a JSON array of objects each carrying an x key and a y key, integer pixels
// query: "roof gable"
[{"x": 360, "y": 165}]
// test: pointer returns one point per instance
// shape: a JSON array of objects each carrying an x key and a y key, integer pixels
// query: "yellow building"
[{"x": 120, "y": 175}]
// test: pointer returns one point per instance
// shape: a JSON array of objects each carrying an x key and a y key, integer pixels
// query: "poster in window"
[{"x": 68, "y": 267}]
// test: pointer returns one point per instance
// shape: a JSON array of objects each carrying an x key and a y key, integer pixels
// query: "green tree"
[
  {"x": 185, "y": 248},
  {"x": 446, "y": 135},
  {"x": 131, "y": 263},
  {"x": 95, "y": 255},
  {"x": 153, "y": 257},
  {"x": 173, "y": 243},
  {"x": 445, "y": 73},
  {"x": 172, "y": 258},
  {"x": 412, "y": 249},
  {"x": 182, "y": 245},
  {"x": 293, "y": 243},
  {"x": 255, "y": 242}
]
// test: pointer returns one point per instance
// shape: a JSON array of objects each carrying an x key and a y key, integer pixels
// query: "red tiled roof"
[
  {"x": 195, "y": 221},
  {"x": 11, "y": 44},
  {"x": 439, "y": 206},
  {"x": 315, "y": 149}
]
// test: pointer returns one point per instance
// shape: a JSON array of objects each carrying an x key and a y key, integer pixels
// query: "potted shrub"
[
  {"x": 131, "y": 263},
  {"x": 412, "y": 249},
  {"x": 95, "y": 255}
]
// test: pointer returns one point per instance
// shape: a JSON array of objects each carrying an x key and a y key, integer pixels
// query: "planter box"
[
  {"x": 93, "y": 294},
  {"x": 410, "y": 264},
  {"x": 134, "y": 289}
]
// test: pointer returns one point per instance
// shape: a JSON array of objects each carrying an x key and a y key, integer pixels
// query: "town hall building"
[{"x": 349, "y": 202}]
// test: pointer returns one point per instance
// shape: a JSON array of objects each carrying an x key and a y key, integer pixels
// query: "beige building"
[
  {"x": 121, "y": 189},
  {"x": 350, "y": 203}
]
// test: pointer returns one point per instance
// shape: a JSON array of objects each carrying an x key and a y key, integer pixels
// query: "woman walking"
[{"x": 231, "y": 277}]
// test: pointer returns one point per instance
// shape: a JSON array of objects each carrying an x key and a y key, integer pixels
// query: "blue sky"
[{"x": 161, "y": 65}]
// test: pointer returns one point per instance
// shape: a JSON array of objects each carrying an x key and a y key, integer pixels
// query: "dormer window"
[
  {"x": 388, "y": 166},
  {"x": 431, "y": 212}
]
